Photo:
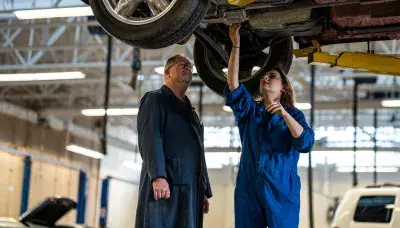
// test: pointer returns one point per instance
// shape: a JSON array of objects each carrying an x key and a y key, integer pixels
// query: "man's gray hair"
[{"x": 172, "y": 60}]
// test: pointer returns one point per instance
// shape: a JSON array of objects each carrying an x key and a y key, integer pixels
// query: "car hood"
[{"x": 48, "y": 212}]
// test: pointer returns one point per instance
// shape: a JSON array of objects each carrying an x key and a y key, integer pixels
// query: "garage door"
[{"x": 11, "y": 169}]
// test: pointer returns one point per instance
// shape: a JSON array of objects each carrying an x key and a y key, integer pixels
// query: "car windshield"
[{"x": 375, "y": 209}]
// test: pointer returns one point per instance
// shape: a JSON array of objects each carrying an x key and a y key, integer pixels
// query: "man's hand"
[
  {"x": 161, "y": 189},
  {"x": 206, "y": 207},
  {"x": 234, "y": 34}
]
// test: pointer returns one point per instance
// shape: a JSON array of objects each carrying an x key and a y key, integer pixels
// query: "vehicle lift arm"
[{"x": 359, "y": 61}]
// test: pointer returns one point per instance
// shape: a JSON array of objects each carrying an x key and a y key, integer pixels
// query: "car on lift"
[
  {"x": 266, "y": 32},
  {"x": 370, "y": 207},
  {"x": 44, "y": 215}
]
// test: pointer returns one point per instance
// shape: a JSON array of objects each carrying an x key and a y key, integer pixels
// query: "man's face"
[{"x": 180, "y": 71}]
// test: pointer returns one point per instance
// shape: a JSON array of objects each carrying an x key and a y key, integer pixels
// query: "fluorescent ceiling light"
[
  {"x": 256, "y": 68},
  {"x": 391, "y": 103},
  {"x": 132, "y": 165},
  {"x": 41, "y": 76},
  {"x": 84, "y": 151},
  {"x": 111, "y": 112},
  {"x": 160, "y": 70},
  {"x": 303, "y": 106},
  {"x": 226, "y": 108},
  {"x": 53, "y": 13},
  {"x": 367, "y": 169}
]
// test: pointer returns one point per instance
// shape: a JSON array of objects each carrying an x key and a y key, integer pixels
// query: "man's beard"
[{"x": 185, "y": 79}]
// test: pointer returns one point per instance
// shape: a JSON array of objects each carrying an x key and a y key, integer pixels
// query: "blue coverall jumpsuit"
[{"x": 267, "y": 192}]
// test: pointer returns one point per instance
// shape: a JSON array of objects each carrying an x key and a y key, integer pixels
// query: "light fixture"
[
  {"x": 391, "y": 103},
  {"x": 160, "y": 70},
  {"x": 255, "y": 69},
  {"x": 226, "y": 108},
  {"x": 53, "y": 13},
  {"x": 367, "y": 169},
  {"x": 132, "y": 165},
  {"x": 111, "y": 112},
  {"x": 41, "y": 76},
  {"x": 84, "y": 151},
  {"x": 303, "y": 106}
]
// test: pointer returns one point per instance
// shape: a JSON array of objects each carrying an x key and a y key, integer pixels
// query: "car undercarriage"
[{"x": 268, "y": 29}]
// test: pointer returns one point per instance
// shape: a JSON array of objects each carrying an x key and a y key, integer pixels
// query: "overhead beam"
[
  {"x": 52, "y": 66},
  {"x": 53, "y": 38},
  {"x": 217, "y": 108}
]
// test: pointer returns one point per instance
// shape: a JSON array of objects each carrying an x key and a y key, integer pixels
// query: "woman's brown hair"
[{"x": 287, "y": 95}]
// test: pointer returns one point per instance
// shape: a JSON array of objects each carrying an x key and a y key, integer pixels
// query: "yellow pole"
[{"x": 240, "y": 2}]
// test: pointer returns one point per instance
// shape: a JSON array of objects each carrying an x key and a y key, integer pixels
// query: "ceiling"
[{"x": 68, "y": 45}]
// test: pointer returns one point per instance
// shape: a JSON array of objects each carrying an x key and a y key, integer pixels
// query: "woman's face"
[{"x": 271, "y": 83}]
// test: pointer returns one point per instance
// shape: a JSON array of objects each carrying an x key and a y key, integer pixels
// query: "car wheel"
[
  {"x": 251, "y": 69},
  {"x": 149, "y": 24}
]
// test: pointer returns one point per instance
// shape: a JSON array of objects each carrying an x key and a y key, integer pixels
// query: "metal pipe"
[
  {"x": 105, "y": 186},
  {"x": 310, "y": 169},
  {"x": 82, "y": 190},
  {"x": 201, "y": 101},
  {"x": 375, "y": 145},
  {"x": 298, "y": 5},
  {"x": 106, "y": 96},
  {"x": 355, "y": 106},
  {"x": 387, "y": 29},
  {"x": 26, "y": 184}
]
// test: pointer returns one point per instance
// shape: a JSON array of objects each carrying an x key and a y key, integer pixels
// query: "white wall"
[
  {"x": 122, "y": 204},
  {"x": 327, "y": 184},
  {"x": 123, "y": 189}
]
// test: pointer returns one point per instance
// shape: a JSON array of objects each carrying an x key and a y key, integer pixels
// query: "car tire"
[
  {"x": 280, "y": 55},
  {"x": 177, "y": 24}
]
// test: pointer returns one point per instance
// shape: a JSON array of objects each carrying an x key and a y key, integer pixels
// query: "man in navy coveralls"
[{"x": 174, "y": 184}]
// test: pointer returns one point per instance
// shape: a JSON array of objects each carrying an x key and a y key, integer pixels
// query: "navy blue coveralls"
[
  {"x": 267, "y": 189},
  {"x": 171, "y": 145}
]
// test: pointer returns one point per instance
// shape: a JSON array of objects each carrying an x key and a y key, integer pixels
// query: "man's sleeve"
[
  {"x": 240, "y": 101},
  {"x": 150, "y": 124},
  {"x": 208, "y": 186},
  {"x": 305, "y": 142}
]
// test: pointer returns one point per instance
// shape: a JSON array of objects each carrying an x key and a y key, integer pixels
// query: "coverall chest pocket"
[
  {"x": 177, "y": 171},
  {"x": 280, "y": 138},
  {"x": 295, "y": 184}
]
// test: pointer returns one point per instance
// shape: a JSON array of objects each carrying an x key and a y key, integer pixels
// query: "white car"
[
  {"x": 44, "y": 215},
  {"x": 370, "y": 207}
]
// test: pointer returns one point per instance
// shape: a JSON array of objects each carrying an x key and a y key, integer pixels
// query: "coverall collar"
[{"x": 168, "y": 91}]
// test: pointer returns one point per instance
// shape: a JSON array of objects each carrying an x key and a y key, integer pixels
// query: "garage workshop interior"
[{"x": 75, "y": 75}]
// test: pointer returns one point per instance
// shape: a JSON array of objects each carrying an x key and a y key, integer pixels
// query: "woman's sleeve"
[
  {"x": 305, "y": 142},
  {"x": 240, "y": 101}
]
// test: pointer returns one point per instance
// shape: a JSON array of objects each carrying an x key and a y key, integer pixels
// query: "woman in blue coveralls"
[{"x": 273, "y": 133}]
